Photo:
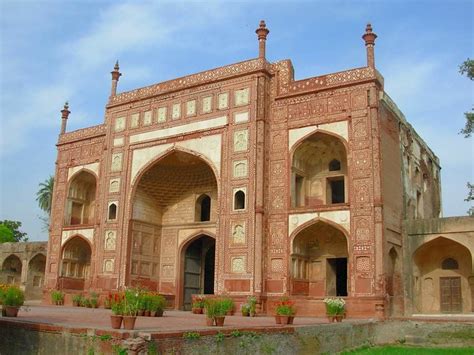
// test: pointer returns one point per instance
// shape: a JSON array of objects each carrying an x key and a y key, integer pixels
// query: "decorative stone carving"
[
  {"x": 363, "y": 263},
  {"x": 167, "y": 271},
  {"x": 134, "y": 120},
  {"x": 118, "y": 142},
  {"x": 223, "y": 101},
  {"x": 238, "y": 264},
  {"x": 147, "y": 118},
  {"x": 161, "y": 114},
  {"x": 191, "y": 108},
  {"x": 240, "y": 168},
  {"x": 241, "y": 97},
  {"x": 238, "y": 233},
  {"x": 110, "y": 240},
  {"x": 116, "y": 162},
  {"x": 241, "y": 117},
  {"x": 241, "y": 140},
  {"x": 119, "y": 124},
  {"x": 114, "y": 185},
  {"x": 108, "y": 265},
  {"x": 276, "y": 265},
  {"x": 176, "y": 111},
  {"x": 207, "y": 104}
]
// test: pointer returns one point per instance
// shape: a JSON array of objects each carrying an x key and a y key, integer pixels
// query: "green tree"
[
  {"x": 13, "y": 226},
  {"x": 467, "y": 68},
  {"x": 44, "y": 197},
  {"x": 6, "y": 235}
]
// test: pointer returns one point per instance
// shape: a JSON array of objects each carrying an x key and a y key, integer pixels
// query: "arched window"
[
  {"x": 80, "y": 202},
  {"x": 239, "y": 200},
  {"x": 449, "y": 264},
  {"x": 112, "y": 211},
  {"x": 334, "y": 165},
  {"x": 203, "y": 208}
]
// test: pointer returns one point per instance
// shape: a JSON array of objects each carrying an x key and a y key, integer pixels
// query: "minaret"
[
  {"x": 369, "y": 38},
  {"x": 115, "y": 78},
  {"x": 64, "y": 115},
  {"x": 262, "y": 32}
]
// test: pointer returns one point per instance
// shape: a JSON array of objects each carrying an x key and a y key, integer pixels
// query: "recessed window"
[
  {"x": 336, "y": 190},
  {"x": 334, "y": 165},
  {"x": 449, "y": 264},
  {"x": 203, "y": 208},
  {"x": 239, "y": 200},
  {"x": 112, "y": 211}
]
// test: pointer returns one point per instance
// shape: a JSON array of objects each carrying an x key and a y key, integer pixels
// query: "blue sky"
[{"x": 53, "y": 51}]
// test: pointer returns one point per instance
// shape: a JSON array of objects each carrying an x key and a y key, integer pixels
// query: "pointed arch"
[{"x": 81, "y": 198}]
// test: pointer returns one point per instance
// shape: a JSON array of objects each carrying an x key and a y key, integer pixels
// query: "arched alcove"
[
  {"x": 80, "y": 202},
  {"x": 11, "y": 270},
  {"x": 35, "y": 278},
  {"x": 319, "y": 261},
  {"x": 203, "y": 208},
  {"x": 76, "y": 261},
  {"x": 319, "y": 171}
]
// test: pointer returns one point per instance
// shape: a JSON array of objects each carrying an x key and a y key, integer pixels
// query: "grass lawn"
[{"x": 408, "y": 350}]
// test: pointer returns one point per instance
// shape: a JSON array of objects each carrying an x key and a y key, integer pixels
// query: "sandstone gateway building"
[{"x": 242, "y": 181}]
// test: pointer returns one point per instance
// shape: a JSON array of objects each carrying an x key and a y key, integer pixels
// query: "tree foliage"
[
  {"x": 470, "y": 197},
  {"x": 13, "y": 226},
  {"x": 6, "y": 235},
  {"x": 44, "y": 196}
]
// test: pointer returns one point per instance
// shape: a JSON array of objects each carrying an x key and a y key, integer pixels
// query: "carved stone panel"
[
  {"x": 114, "y": 185},
  {"x": 241, "y": 97},
  {"x": 161, "y": 114},
  {"x": 108, "y": 266},
  {"x": 110, "y": 240},
  {"x": 240, "y": 168},
  {"x": 191, "y": 108},
  {"x": 134, "y": 120},
  {"x": 238, "y": 232},
  {"x": 176, "y": 111},
  {"x": 223, "y": 101},
  {"x": 207, "y": 104},
  {"x": 116, "y": 162},
  {"x": 147, "y": 118},
  {"x": 119, "y": 124},
  {"x": 241, "y": 117},
  {"x": 238, "y": 264},
  {"x": 241, "y": 140}
]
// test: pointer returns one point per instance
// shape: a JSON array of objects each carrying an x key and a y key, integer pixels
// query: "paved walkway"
[{"x": 172, "y": 321}]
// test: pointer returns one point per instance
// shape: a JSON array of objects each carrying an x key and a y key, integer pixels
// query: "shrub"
[
  {"x": 335, "y": 306},
  {"x": 131, "y": 301},
  {"x": 227, "y": 304},
  {"x": 77, "y": 299},
  {"x": 212, "y": 307},
  {"x": 198, "y": 302},
  {"x": 252, "y": 302},
  {"x": 13, "y": 296},
  {"x": 57, "y": 297}
]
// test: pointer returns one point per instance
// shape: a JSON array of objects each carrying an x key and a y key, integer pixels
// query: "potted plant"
[
  {"x": 117, "y": 314},
  {"x": 108, "y": 301},
  {"x": 212, "y": 308},
  {"x": 3, "y": 289},
  {"x": 252, "y": 302},
  {"x": 285, "y": 311},
  {"x": 228, "y": 305},
  {"x": 245, "y": 309},
  {"x": 335, "y": 309},
  {"x": 198, "y": 305},
  {"x": 94, "y": 300},
  {"x": 57, "y": 298},
  {"x": 85, "y": 302},
  {"x": 77, "y": 300},
  {"x": 131, "y": 304},
  {"x": 13, "y": 299},
  {"x": 222, "y": 307},
  {"x": 161, "y": 302}
]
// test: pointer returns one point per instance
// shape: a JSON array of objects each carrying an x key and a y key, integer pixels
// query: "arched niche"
[
  {"x": 441, "y": 289},
  {"x": 11, "y": 270},
  {"x": 76, "y": 262},
  {"x": 319, "y": 171},
  {"x": 319, "y": 261},
  {"x": 80, "y": 202},
  {"x": 203, "y": 208}
]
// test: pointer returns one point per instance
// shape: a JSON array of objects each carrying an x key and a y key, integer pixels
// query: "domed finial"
[
  {"x": 262, "y": 31},
  {"x": 64, "y": 116},
  {"x": 115, "y": 78},
  {"x": 369, "y": 37}
]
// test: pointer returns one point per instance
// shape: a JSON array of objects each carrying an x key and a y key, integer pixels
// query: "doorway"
[
  {"x": 337, "y": 277},
  {"x": 450, "y": 301},
  {"x": 199, "y": 266}
]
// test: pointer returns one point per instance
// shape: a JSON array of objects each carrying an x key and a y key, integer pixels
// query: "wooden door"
[
  {"x": 192, "y": 273},
  {"x": 450, "y": 301}
]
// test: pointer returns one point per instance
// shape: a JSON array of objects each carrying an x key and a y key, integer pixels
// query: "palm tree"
[{"x": 44, "y": 196}]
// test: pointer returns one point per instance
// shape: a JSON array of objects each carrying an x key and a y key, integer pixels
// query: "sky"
[{"x": 56, "y": 51}]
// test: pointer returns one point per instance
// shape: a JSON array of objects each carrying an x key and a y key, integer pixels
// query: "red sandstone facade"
[{"x": 242, "y": 181}]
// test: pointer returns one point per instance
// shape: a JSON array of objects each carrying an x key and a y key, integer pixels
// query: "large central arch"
[{"x": 172, "y": 197}]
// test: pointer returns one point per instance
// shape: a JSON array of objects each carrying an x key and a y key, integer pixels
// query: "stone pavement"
[{"x": 172, "y": 321}]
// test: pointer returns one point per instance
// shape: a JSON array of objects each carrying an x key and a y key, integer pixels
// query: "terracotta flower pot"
[
  {"x": 284, "y": 319},
  {"x": 245, "y": 314},
  {"x": 129, "y": 322},
  {"x": 152, "y": 313},
  {"x": 11, "y": 311},
  {"x": 140, "y": 313},
  {"x": 197, "y": 310},
  {"x": 291, "y": 319},
  {"x": 147, "y": 313},
  {"x": 339, "y": 318},
  {"x": 220, "y": 321},
  {"x": 209, "y": 321},
  {"x": 159, "y": 312},
  {"x": 277, "y": 319},
  {"x": 116, "y": 321}
]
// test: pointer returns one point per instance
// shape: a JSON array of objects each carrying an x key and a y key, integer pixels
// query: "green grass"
[{"x": 406, "y": 350}]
